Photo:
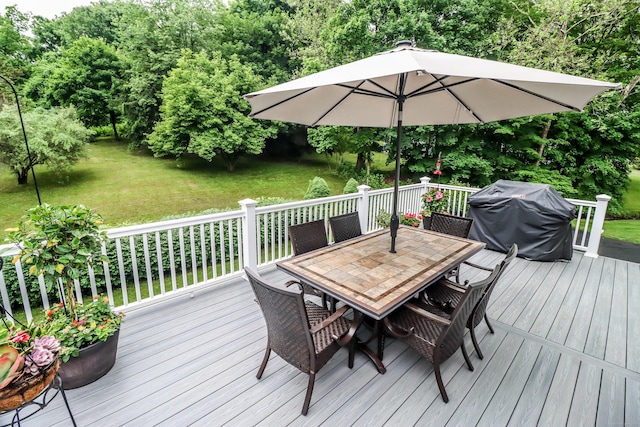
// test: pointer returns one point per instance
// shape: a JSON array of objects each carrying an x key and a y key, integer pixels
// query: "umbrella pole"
[{"x": 395, "y": 221}]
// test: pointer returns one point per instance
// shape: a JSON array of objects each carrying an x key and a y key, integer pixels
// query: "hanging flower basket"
[{"x": 27, "y": 387}]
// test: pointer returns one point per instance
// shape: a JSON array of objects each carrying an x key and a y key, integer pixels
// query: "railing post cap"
[
  {"x": 248, "y": 202},
  {"x": 603, "y": 197},
  {"x": 425, "y": 179},
  {"x": 363, "y": 187}
]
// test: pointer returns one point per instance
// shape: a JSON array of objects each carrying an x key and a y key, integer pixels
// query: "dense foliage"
[
  {"x": 57, "y": 139},
  {"x": 171, "y": 73}
]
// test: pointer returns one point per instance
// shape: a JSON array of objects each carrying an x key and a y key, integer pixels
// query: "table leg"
[{"x": 376, "y": 358}]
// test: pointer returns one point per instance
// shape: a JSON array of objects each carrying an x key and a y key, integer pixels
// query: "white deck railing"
[{"x": 153, "y": 262}]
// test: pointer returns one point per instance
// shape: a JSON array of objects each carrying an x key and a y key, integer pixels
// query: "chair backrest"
[
  {"x": 451, "y": 224},
  {"x": 345, "y": 227},
  {"x": 451, "y": 337},
  {"x": 308, "y": 236},
  {"x": 287, "y": 322},
  {"x": 481, "y": 308}
]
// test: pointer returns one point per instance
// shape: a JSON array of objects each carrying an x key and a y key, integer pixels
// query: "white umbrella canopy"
[{"x": 408, "y": 86}]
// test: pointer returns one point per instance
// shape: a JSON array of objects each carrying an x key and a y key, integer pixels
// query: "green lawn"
[
  {"x": 132, "y": 187},
  {"x": 627, "y": 230},
  {"x": 632, "y": 197}
]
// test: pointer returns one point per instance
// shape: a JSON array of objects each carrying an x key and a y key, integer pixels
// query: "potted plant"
[
  {"x": 384, "y": 219},
  {"x": 434, "y": 200},
  {"x": 28, "y": 364},
  {"x": 59, "y": 242}
]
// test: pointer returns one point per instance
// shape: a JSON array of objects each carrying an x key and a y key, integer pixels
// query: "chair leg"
[
  {"x": 307, "y": 399},
  {"x": 264, "y": 361},
  {"x": 352, "y": 351},
  {"x": 475, "y": 343},
  {"x": 466, "y": 356},
  {"x": 443, "y": 392},
  {"x": 486, "y": 319}
]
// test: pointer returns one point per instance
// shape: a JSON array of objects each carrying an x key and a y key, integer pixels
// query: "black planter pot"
[
  {"x": 426, "y": 222},
  {"x": 92, "y": 363}
]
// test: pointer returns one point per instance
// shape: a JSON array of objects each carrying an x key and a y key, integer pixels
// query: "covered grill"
[{"x": 535, "y": 216}]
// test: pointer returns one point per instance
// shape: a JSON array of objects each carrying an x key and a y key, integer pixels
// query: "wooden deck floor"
[{"x": 565, "y": 352}]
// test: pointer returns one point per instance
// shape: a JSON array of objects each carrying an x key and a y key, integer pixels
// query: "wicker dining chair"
[
  {"x": 307, "y": 237},
  {"x": 345, "y": 227},
  {"x": 437, "y": 335},
  {"x": 454, "y": 226},
  {"x": 451, "y": 224},
  {"x": 304, "y": 334},
  {"x": 448, "y": 295}
]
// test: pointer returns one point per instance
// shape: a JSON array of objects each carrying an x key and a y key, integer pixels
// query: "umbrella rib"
[
  {"x": 282, "y": 102},
  {"x": 360, "y": 91},
  {"x": 537, "y": 95},
  {"x": 447, "y": 88},
  {"x": 418, "y": 92},
  {"x": 352, "y": 90}
]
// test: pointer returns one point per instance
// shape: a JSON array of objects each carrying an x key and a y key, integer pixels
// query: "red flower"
[{"x": 21, "y": 336}]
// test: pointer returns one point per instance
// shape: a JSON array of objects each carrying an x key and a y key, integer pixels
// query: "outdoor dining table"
[{"x": 365, "y": 275}]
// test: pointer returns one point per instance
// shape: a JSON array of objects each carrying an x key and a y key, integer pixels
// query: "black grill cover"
[{"x": 535, "y": 216}]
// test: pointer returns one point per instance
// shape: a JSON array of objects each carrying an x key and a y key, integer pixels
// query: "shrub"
[
  {"x": 318, "y": 188},
  {"x": 350, "y": 187},
  {"x": 374, "y": 180}
]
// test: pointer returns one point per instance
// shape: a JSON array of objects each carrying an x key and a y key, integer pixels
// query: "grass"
[
  {"x": 631, "y": 200},
  {"x": 627, "y": 230},
  {"x": 133, "y": 187}
]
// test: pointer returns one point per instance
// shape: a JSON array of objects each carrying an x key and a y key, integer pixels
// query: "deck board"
[
  {"x": 560, "y": 395},
  {"x": 565, "y": 352}
]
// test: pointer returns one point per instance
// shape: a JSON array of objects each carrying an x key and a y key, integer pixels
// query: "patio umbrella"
[{"x": 411, "y": 86}]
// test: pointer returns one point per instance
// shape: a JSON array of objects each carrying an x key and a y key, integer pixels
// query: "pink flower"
[
  {"x": 429, "y": 199},
  {"x": 21, "y": 336},
  {"x": 439, "y": 195}
]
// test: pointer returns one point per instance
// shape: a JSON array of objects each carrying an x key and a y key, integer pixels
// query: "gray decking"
[{"x": 565, "y": 352}]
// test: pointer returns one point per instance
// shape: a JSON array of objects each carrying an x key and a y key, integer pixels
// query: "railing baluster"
[
  {"x": 123, "y": 280},
  {"x": 160, "y": 263},
  {"x": 134, "y": 265},
  {"x": 147, "y": 263},
  {"x": 172, "y": 260},
  {"x": 223, "y": 254},
  {"x": 183, "y": 258},
  {"x": 203, "y": 253}
]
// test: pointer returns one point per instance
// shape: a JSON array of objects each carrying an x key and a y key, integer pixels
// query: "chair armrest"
[
  {"x": 329, "y": 320},
  {"x": 452, "y": 286},
  {"x": 471, "y": 264},
  {"x": 426, "y": 314},
  {"x": 295, "y": 282},
  {"x": 346, "y": 337},
  {"x": 397, "y": 331},
  {"x": 351, "y": 333}
]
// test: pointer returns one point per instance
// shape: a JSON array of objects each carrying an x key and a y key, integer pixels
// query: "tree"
[
  {"x": 594, "y": 39},
  {"x": 150, "y": 38},
  {"x": 56, "y": 139},
  {"x": 15, "y": 48},
  {"x": 203, "y": 111},
  {"x": 257, "y": 32},
  {"x": 88, "y": 76}
]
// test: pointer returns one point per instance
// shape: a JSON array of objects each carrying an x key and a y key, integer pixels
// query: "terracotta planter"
[{"x": 92, "y": 363}]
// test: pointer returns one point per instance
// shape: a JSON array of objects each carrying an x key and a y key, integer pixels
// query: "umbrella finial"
[{"x": 402, "y": 43}]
